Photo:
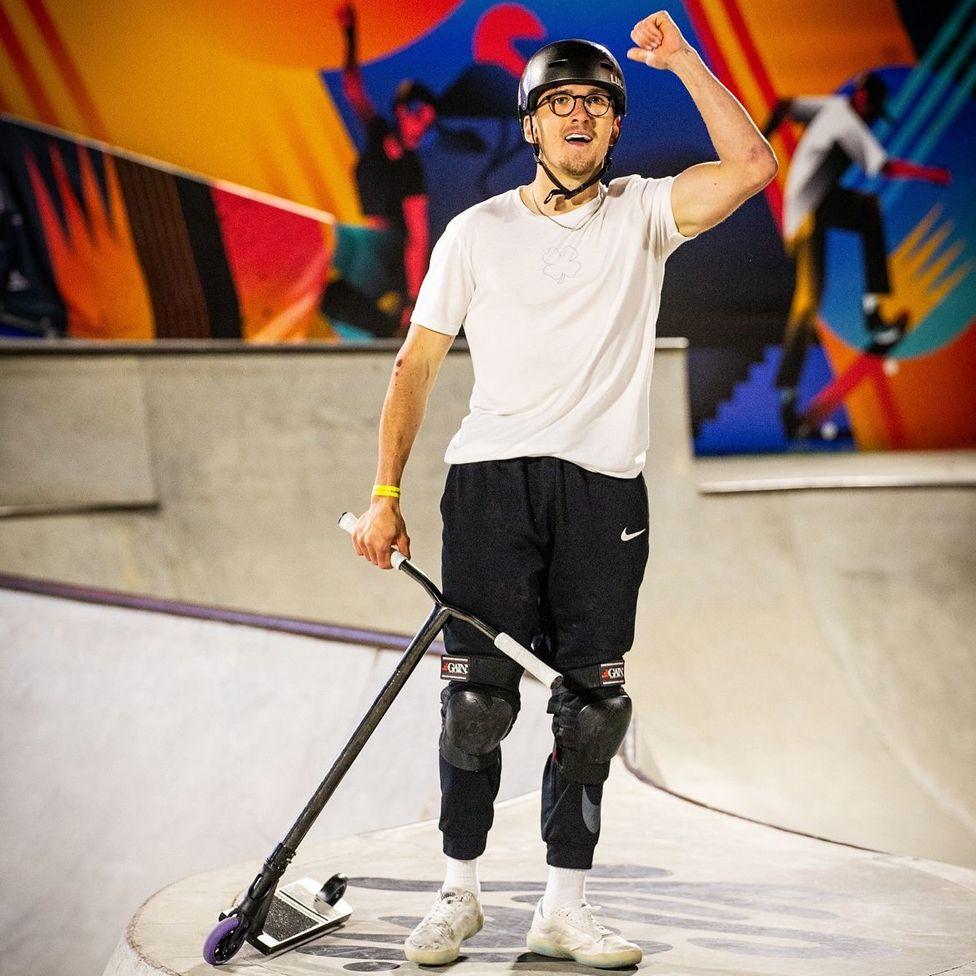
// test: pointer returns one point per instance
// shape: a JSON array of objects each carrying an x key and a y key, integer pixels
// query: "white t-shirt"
[
  {"x": 560, "y": 323},
  {"x": 834, "y": 137}
]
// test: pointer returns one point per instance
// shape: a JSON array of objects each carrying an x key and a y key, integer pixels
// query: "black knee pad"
[
  {"x": 589, "y": 726},
  {"x": 474, "y": 720}
]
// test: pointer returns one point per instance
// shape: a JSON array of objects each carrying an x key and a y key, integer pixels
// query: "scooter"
[{"x": 274, "y": 920}]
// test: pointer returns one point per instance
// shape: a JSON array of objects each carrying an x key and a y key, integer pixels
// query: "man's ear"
[
  {"x": 615, "y": 131},
  {"x": 527, "y": 129}
]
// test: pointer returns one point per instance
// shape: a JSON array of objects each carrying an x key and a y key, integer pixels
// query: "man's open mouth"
[{"x": 578, "y": 137}]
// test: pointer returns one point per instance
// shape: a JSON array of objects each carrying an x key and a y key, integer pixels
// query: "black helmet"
[{"x": 576, "y": 61}]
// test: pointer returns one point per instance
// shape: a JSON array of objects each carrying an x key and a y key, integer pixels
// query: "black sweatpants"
[{"x": 554, "y": 555}]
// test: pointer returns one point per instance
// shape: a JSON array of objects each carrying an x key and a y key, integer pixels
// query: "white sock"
[
  {"x": 565, "y": 886},
  {"x": 870, "y": 302},
  {"x": 462, "y": 874}
]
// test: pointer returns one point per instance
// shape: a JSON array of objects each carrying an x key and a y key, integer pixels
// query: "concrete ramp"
[
  {"x": 807, "y": 658},
  {"x": 93, "y": 457},
  {"x": 704, "y": 894},
  {"x": 802, "y": 658},
  {"x": 138, "y": 747}
]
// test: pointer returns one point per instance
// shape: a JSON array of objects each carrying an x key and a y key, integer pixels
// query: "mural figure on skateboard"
[{"x": 837, "y": 134}]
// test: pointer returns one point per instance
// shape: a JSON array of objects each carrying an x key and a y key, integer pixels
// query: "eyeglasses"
[{"x": 564, "y": 104}]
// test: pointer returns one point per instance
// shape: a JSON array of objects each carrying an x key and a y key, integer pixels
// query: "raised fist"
[{"x": 657, "y": 38}]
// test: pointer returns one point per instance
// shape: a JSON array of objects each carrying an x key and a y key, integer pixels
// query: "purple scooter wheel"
[{"x": 224, "y": 941}]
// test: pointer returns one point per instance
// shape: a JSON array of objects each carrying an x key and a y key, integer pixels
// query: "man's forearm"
[
  {"x": 733, "y": 133},
  {"x": 403, "y": 413}
]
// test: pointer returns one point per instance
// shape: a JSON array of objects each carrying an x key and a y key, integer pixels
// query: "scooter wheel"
[
  {"x": 333, "y": 889},
  {"x": 224, "y": 941}
]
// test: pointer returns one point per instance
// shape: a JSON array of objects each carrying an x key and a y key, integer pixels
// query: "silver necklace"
[{"x": 602, "y": 191}]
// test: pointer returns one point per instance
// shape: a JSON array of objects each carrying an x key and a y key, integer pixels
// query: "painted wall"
[{"x": 217, "y": 91}]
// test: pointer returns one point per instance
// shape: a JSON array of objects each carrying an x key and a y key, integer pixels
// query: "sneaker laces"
[
  {"x": 439, "y": 916},
  {"x": 584, "y": 914}
]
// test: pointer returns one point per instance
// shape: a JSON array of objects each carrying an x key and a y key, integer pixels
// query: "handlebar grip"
[
  {"x": 521, "y": 655},
  {"x": 348, "y": 522}
]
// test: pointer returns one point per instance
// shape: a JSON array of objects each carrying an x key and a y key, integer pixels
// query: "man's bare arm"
[
  {"x": 704, "y": 195},
  {"x": 417, "y": 364}
]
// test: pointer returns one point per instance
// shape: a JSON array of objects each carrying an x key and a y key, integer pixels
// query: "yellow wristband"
[{"x": 386, "y": 491}]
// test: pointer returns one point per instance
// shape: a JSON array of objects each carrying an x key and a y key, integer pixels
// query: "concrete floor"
[{"x": 702, "y": 893}]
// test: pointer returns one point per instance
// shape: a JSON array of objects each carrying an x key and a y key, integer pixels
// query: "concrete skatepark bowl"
[{"x": 802, "y": 659}]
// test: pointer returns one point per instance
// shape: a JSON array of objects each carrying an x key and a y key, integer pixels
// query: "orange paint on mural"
[
  {"x": 94, "y": 257},
  {"x": 923, "y": 269},
  {"x": 746, "y": 85},
  {"x": 167, "y": 87},
  {"x": 19, "y": 62},
  {"x": 917, "y": 388},
  {"x": 305, "y": 162},
  {"x": 64, "y": 62},
  {"x": 838, "y": 40},
  {"x": 305, "y": 34},
  {"x": 930, "y": 392}
]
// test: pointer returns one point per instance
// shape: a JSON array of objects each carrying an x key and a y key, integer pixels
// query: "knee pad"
[
  {"x": 474, "y": 720},
  {"x": 589, "y": 727}
]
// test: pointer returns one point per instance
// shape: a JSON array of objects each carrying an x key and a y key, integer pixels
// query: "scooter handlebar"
[
  {"x": 348, "y": 523},
  {"x": 506, "y": 644}
]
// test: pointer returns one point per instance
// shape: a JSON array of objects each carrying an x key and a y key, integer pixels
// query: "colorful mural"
[
  {"x": 129, "y": 251},
  {"x": 329, "y": 147},
  {"x": 884, "y": 304}
]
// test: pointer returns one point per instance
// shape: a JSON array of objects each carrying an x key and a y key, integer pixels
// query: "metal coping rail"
[{"x": 385, "y": 640}]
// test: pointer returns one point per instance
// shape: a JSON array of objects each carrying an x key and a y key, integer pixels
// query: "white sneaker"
[
  {"x": 454, "y": 917},
  {"x": 573, "y": 933}
]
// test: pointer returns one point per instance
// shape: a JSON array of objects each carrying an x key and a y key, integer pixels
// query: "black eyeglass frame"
[{"x": 547, "y": 100}]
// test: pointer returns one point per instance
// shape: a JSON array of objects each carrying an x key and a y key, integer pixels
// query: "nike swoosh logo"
[
  {"x": 591, "y": 814},
  {"x": 627, "y": 536}
]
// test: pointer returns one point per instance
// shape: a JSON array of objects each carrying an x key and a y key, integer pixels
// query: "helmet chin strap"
[{"x": 559, "y": 188}]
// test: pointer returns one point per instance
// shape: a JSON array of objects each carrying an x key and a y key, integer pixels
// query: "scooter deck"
[{"x": 296, "y": 916}]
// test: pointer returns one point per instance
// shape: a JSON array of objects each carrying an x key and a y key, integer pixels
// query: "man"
[
  {"x": 392, "y": 193},
  {"x": 545, "y": 507},
  {"x": 837, "y": 134}
]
